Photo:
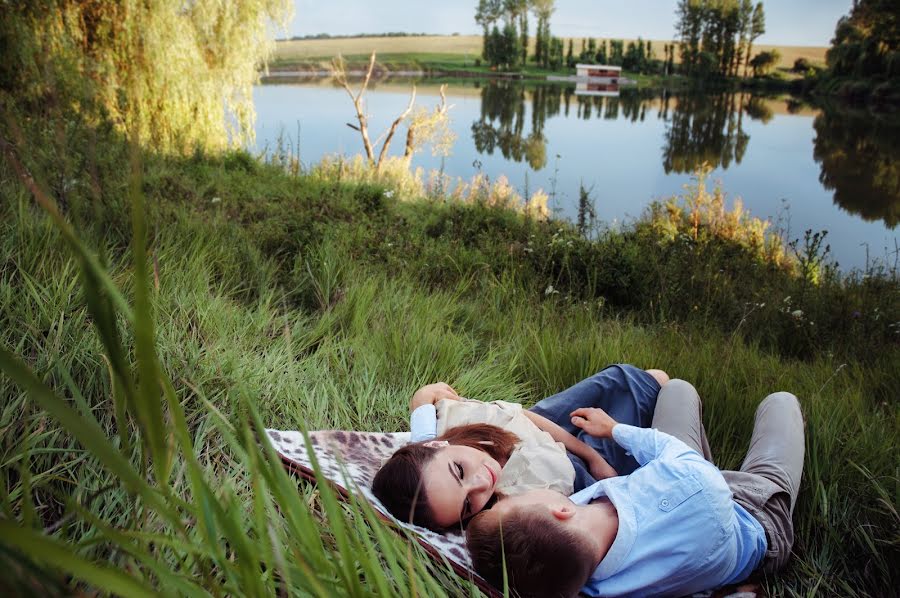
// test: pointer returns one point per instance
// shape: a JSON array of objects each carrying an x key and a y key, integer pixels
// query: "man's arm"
[
  {"x": 645, "y": 444},
  {"x": 597, "y": 465}
]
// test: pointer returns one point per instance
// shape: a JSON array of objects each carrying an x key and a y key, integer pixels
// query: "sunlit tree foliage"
[
  {"x": 867, "y": 42},
  {"x": 177, "y": 73}
]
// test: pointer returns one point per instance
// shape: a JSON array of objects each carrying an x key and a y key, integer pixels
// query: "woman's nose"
[{"x": 482, "y": 481}]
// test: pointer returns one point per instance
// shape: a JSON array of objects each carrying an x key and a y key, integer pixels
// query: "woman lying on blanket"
[{"x": 465, "y": 452}]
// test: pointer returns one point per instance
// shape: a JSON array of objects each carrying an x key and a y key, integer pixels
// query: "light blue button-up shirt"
[
  {"x": 680, "y": 532},
  {"x": 423, "y": 423}
]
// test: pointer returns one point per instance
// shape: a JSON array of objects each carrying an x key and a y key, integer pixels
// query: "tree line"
[
  {"x": 505, "y": 33},
  {"x": 636, "y": 56},
  {"x": 717, "y": 36}
]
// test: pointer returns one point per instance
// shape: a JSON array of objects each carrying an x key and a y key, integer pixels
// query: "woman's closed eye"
[{"x": 467, "y": 505}]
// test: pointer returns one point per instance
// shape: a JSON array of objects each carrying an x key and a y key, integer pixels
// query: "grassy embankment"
[
  {"x": 313, "y": 300},
  {"x": 458, "y": 55}
]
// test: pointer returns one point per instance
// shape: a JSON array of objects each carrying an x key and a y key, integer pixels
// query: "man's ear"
[
  {"x": 562, "y": 512},
  {"x": 436, "y": 444}
]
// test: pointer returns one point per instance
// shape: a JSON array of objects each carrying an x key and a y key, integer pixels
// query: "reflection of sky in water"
[{"x": 621, "y": 159}]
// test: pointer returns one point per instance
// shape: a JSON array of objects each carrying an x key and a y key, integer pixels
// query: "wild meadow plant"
[{"x": 395, "y": 176}]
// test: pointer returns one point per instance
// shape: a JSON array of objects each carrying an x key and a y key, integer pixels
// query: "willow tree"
[{"x": 176, "y": 74}]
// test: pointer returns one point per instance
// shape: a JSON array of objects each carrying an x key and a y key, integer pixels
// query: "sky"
[{"x": 788, "y": 22}]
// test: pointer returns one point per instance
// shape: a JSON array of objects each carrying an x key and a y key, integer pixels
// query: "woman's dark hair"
[{"x": 399, "y": 484}]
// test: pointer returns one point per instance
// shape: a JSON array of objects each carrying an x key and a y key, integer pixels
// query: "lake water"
[{"x": 800, "y": 167}]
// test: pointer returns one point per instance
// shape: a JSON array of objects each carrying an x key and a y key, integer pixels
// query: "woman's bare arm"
[
  {"x": 597, "y": 465},
  {"x": 430, "y": 394}
]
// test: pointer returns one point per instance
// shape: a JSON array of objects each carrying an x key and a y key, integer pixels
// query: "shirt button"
[{"x": 664, "y": 503}]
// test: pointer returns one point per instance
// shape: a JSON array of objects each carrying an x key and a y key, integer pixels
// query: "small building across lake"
[{"x": 605, "y": 72}]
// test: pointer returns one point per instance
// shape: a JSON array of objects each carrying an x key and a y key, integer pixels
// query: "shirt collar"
[
  {"x": 588, "y": 493},
  {"x": 625, "y": 536}
]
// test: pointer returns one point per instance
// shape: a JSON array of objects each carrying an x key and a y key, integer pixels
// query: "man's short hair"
[{"x": 543, "y": 558}]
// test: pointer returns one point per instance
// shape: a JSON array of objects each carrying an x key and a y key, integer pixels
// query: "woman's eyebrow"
[{"x": 453, "y": 473}]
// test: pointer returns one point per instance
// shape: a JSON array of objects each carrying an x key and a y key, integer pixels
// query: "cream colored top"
[{"x": 538, "y": 461}]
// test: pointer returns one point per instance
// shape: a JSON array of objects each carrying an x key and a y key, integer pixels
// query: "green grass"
[
  {"x": 426, "y": 62},
  {"x": 130, "y": 451}
]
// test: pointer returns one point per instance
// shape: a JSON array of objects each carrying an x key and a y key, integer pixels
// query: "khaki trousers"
[{"x": 769, "y": 478}]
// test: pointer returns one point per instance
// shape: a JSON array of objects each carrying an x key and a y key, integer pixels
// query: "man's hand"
[
  {"x": 594, "y": 421},
  {"x": 430, "y": 394}
]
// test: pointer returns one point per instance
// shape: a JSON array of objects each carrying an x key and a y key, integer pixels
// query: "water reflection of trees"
[
  {"x": 858, "y": 153},
  {"x": 502, "y": 122},
  {"x": 707, "y": 128}
]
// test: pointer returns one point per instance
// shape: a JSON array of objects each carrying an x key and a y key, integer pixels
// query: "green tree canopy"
[
  {"x": 866, "y": 43},
  {"x": 717, "y": 35},
  {"x": 764, "y": 62}
]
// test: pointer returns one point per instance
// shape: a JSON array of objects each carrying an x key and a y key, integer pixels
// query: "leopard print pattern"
[{"x": 360, "y": 455}]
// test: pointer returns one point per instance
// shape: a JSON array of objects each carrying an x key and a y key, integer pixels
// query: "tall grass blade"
[
  {"x": 148, "y": 402},
  {"x": 86, "y": 431},
  {"x": 41, "y": 548}
]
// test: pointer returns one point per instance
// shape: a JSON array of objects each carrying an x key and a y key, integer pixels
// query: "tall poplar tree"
[
  {"x": 745, "y": 15},
  {"x": 543, "y": 9},
  {"x": 757, "y": 28},
  {"x": 716, "y": 36}
]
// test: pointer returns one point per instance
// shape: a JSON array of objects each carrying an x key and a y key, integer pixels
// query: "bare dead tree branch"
[
  {"x": 393, "y": 129},
  {"x": 423, "y": 125},
  {"x": 339, "y": 71}
]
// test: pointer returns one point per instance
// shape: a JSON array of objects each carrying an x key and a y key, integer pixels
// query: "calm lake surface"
[{"x": 800, "y": 167}]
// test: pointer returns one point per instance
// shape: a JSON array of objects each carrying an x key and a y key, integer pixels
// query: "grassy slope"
[
  {"x": 326, "y": 304},
  {"x": 458, "y": 51}
]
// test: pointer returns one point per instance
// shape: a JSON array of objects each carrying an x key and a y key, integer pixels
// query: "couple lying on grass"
[{"x": 650, "y": 513}]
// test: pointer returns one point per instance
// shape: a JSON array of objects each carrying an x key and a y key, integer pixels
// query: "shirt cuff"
[
  {"x": 423, "y": 423},
  {"x": 623, "y": 432}
]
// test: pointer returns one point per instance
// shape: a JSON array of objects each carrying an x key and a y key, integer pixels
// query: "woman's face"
[{"x": 458, "y": 482}]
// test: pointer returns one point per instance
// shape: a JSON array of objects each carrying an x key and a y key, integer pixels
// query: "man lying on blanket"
[{"x": 675, "y": 526}]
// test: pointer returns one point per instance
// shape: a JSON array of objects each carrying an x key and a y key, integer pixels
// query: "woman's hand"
[
  {"x": 430, "y": 394},
  {"x": 600, "y": 469},
  {"x": 594, "y": 421}
]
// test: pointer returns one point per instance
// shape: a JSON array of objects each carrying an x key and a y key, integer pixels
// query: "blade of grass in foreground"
[
  {"x": 148, "y": 402},
  {"x": 44, "y": 549},
  {"x": 87, "y": 431}
]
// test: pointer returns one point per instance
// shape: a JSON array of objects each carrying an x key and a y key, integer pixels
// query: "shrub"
[
  {"x": 802, "y": 65},
  {"x": 764, "y": 62}
]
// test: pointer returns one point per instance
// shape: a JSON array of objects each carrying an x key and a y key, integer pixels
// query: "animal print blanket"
[{"x": 360, "y": 455}]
